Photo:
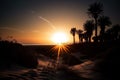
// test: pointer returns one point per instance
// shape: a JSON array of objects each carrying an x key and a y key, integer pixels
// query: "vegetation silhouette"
[
  {"x": 88, "y": 27},
  {"x": 12, "y": 53},
  {"x": 80, "y": 35},
  {"x": 73, "y": 31},
  {"x": 103, "y": 22},
  {"x": 94, "y": 11},
  {"x": 116, "y": 32},
  {"x": 104, "y": 50}
]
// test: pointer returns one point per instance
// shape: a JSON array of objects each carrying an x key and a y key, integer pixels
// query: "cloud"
[
  {"x": 36, "y": 31},
  {"x": 11, "y": 29}
]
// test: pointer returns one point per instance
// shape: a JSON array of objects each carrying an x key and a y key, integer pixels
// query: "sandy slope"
[
  {"x": 48, "y": 71},
  {"x": 44, "y": 72}
]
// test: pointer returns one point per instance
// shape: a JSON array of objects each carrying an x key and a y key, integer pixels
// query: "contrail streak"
[{"x": 46, "y": 20}]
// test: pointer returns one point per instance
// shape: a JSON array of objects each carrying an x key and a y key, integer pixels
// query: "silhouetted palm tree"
[
  {"x": 79, "y": 32},
  {"x": 89, "y": 27},
  {"x": 104, "y": 21},
  {"x": 73, "y": 31},
  {"x": 94, "y": 11}
]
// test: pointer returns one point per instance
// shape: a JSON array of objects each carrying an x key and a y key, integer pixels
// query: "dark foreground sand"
[{"x": 77, "y": 72}]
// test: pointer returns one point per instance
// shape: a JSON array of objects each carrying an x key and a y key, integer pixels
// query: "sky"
[{"x": 35, "y": 21}]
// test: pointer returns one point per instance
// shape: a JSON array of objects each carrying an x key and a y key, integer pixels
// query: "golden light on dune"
[{"x": 59, "y": 38}]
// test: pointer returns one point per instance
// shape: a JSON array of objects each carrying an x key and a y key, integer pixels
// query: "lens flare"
[{"x": 60, "y": 49}]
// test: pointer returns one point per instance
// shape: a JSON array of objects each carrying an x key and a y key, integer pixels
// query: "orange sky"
[
  {"x": 34, "y": 34},
  {"x": 36, "y": 21},
  {"x": 39, "y": 29}
]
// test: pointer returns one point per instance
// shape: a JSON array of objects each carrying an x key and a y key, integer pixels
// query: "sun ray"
[{"x": 60, "y": 49}]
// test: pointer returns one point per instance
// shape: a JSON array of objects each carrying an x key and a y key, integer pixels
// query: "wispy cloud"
[
  {"x": 36, "y": 31},
  {"x": 11, "y": 29}
]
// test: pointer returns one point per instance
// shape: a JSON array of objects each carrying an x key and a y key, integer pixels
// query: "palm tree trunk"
[
  {"x": 102, "y": 31},
  {"x": 73, "y": 39},
  {"x": 95, "y": 27},
  {"x": 89, "y": 38}
]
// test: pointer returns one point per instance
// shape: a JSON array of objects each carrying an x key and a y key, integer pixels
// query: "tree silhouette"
[
  {"x": 113, "y": 33},
  {"x": 0, "y": 38},
  {"x": 116, "y": 31},
  {"x": 103, "y": 21},
  {"x": 89, "y": 27},
  {"x": 108, "y": 36},
  {"x": 73, "y": 31},
  {"x": 79, "y": 32},
  {"x": 94, "y": 11}
]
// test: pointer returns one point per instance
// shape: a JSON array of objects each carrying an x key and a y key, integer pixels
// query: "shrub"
[{"x": 14, "y": 53}]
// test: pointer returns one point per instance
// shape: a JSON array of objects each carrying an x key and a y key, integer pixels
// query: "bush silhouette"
[
  {"x": 109, "y": 65},
  {"x": 14, "y": 53}
]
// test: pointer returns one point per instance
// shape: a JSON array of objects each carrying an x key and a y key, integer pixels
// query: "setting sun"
[{"x": 59, "y": 38}]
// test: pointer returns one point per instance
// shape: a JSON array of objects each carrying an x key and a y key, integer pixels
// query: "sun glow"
[{"x": 59, "y": 38}]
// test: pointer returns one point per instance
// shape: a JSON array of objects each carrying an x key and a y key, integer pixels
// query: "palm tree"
[
  {"x": 94, "y": 11},
  {"x": 79, "y": 32},
  {"x": 104, "y": 21},
  {"x": 89, "y": 27},
  {"x": 73, "y": 31}
]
